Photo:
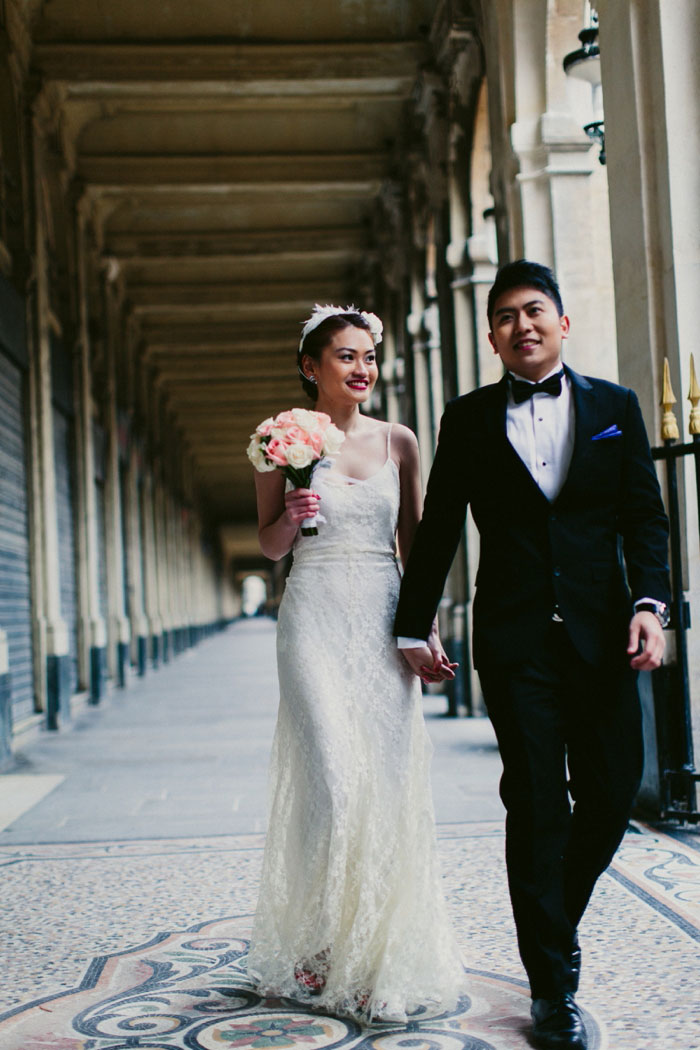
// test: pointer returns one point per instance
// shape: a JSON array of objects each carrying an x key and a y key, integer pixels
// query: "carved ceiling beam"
[
  {"x": 262, "y": 65},
  {"x": 188, "y": 195},
  {"x": 222, "y": 373},
  {"x": 157, "y": 244},
  {"x": 214, "y": 392},
  {"x": 137, "y": 99},
  {"x": 231, "y": 294},
  {"x": 138, "y": 170},
  {"x": 266, "y": 402},
  {"x": 247, "y": 332},
  {"x": 200, "y": 272},
  {"x": 275, "y": 366},
  {"x": 243, "y": 350}
]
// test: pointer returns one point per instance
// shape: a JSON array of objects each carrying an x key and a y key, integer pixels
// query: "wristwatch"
[{"x": 659, "y": 609}]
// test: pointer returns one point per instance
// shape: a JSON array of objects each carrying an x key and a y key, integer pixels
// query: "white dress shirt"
[{"x": 541, "y": 430}]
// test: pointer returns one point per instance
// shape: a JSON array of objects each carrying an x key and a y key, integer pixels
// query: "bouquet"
[{"x": 295, "y": 442}]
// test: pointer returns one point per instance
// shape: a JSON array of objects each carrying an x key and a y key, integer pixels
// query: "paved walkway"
[{"x": 131, "y": 845}]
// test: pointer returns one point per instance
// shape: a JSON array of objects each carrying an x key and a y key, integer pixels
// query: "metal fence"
[{"x": 672, "y": 687}]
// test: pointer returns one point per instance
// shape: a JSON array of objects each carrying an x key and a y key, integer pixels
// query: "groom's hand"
[
  {"x": 645, "y": 630},
  {"x": 428, "y": 666}
]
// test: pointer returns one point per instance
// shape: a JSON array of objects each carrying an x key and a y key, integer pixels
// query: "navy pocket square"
[{"x": 610, "y": 432}]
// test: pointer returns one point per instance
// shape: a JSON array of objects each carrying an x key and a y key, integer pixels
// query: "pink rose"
[
  {"x": 284, "y": 419},
  {"x": 316, "y": 441},
  {"x": 275, "y": 451},
  {"x": 265, "y": 427},
  {"x": 296, "y": 435}
]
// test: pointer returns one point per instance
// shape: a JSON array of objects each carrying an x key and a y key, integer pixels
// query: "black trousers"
[{"x": 566, "y": 731}]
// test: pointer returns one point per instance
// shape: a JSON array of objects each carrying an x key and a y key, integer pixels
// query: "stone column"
[
  {"x": 421, "y": 392},
  {"x": 138, "y": 621},
  {"x": 150, "y": 568},
  {"x": 93, "y": 631},
  {"x": 160, "y": 510},
  {"x": 118, "y": 631},
  {"x": 390, "y": 370},
  {"x": 650, "y": 73},
  {"x": 136, "y": 557},
  {"x": 51, "y": 644}
]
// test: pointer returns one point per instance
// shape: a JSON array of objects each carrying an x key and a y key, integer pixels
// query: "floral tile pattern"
[
  {"x": 190, "y": 989},
  {"x": 142, "y": 944}
]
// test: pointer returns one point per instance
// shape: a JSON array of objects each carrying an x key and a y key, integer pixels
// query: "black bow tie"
[{"x": 523, "y": 391}]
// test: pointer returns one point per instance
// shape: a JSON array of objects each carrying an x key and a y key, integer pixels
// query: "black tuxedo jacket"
[{"x": 601, "y": 544}]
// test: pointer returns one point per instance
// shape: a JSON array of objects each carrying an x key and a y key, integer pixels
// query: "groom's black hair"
[{"x": 524, "y": 274}]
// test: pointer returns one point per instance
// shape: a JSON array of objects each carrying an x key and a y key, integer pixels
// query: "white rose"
[
  {"x": 299, "y": 455},
  {"x": 332, "y": 440},
  {"x": 306, "y": 419},
  {"x": 257, "y": 456}
]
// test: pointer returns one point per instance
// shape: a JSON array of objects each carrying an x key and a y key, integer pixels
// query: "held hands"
[
  {"x": 645, "y": 630},
  {"x": 300, "y": 504},
  {"x": 430, "y": 661}
]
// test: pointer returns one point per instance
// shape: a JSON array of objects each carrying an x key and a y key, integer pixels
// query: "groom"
[{"x": 559, "y": 476}]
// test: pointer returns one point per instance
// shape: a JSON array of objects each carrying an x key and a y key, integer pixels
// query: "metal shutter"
[{"x": 15, "y": 587}]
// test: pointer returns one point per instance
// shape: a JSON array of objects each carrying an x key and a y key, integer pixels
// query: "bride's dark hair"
[{"x": 320, "y": 336}]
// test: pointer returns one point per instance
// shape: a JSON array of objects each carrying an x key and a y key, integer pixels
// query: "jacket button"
[{"x": 556, "y": 571}]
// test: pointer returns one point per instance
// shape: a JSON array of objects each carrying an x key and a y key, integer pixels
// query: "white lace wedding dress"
[{"x": 351, "y": 916}]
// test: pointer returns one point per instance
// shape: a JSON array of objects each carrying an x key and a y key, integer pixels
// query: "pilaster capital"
[
  {"x": 483, "y": 251},
  {"x": 414, "y": 326},
  {"x": 552, "y": 143},
  {"x": 57, "y": 641},
  {"x": 98, "y": 632},
  {"x": 111, "y": 269},
  {"x": 456, "y": 48},
  {"x": 52, "y": 129},
  {"x": 19, "y": 32},
  {"x": 122, "y": 629},
  {"x": 562, "y": 132},
  {"x": 431, "y": 324}
]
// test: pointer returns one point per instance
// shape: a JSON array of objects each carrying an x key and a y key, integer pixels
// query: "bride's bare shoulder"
[{"x": 402, "y": 438}]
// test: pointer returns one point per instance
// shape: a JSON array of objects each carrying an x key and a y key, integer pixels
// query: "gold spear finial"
[
  {"x": 669, "y": 426},
  {"x": 694, "y": 398}
]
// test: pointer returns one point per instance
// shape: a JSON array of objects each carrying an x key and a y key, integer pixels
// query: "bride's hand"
[
  {"x": 442, "y": 667},
  {"x": 429, "y": 668},
  {"x": 300, "y": 504}
]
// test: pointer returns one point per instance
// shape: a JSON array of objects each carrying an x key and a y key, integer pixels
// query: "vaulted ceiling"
[{"x": 233, "y": 151}]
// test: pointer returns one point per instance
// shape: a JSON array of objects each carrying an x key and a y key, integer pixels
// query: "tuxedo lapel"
[
  {"x": 587, "y": 422},
  {"x": 511, "y": 462}
]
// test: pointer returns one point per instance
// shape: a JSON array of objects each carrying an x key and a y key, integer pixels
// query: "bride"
[{"x": 351, "y": 916}]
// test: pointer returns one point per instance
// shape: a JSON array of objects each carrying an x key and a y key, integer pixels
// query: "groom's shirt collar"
[
  {"x": 522, "y": 379},
  {"x": 541, "y": 430}
]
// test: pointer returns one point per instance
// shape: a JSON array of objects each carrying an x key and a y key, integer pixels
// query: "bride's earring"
[{"x": 311, "y": 379}]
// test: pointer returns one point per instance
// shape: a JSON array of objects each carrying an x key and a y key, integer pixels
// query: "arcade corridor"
[{"x": 129, "y": 886}]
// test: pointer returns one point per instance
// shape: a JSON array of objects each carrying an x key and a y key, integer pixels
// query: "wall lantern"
[{"x": 584, "y": 64}]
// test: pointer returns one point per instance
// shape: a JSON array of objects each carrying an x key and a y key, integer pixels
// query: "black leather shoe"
[
  {"x": 575, "y": 965},
  {"x": 557, "y": 1024}
]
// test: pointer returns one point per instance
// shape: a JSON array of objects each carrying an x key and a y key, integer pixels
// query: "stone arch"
[{"x": 13, "y": 223}]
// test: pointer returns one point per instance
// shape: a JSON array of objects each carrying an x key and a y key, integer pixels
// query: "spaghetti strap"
[{"x": 388, "y": 441}]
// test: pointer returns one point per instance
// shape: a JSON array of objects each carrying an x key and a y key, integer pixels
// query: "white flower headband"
[{"x": 322, "y": 313}]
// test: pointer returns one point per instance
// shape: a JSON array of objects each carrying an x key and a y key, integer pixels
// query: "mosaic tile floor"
[{"x": 142, "y": 944}]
